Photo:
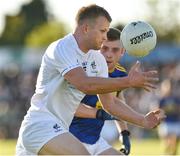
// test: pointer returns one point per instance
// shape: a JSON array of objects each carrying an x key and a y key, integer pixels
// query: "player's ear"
[
  {"x": 85, "y": 28},
  {"x": 122, "y": 48},
  {"x": 122, "y": 51}
]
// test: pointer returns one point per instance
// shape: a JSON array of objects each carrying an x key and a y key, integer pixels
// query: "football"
[{"x": 138, "y": 38}]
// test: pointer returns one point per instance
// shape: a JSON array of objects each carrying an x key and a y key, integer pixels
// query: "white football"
[{"x": 138, "y": 38}]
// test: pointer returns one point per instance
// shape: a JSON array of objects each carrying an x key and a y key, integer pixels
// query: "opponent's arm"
[
  {"x": 123, "y": 131},
  {"x": 97, "y": 85},
  {"x": 85, "y": 111},
  {"x": 121, "y": 125}
]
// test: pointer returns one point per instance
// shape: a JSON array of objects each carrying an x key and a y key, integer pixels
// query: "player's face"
[
  {"x": 112, "y": 51},
  {"x": 97, "y": 33}
]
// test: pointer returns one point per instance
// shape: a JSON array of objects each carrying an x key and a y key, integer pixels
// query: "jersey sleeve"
[{"x": 66, "y": 59}]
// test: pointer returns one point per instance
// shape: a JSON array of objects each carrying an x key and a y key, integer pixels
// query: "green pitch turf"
[{"x": 139, "y": 147}]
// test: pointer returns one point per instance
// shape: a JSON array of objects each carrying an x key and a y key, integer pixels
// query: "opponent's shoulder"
[
  {"x": 120, "y": 68},
  {"x": 118, "y": 71}
]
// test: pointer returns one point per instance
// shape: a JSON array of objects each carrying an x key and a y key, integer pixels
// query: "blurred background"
[{"x": 28, "y": 26}]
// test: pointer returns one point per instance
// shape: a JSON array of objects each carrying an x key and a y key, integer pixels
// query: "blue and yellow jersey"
[{"x": 88, "y": 130}]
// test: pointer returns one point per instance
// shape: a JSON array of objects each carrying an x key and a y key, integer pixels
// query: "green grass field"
[{"x": 139, "y": 147}]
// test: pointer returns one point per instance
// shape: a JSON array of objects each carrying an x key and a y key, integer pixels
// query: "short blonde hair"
[{"x": 91, "y": 12}]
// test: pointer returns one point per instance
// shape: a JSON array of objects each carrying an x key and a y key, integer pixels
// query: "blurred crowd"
[
  {"x": 168, "y": 86},
  {"x": 17, "y": 84},
  {"x": 16, "y": 89}
]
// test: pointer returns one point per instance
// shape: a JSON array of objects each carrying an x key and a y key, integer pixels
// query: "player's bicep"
[{"x": 76, "y": 77}]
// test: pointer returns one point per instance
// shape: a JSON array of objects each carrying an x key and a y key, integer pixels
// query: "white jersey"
[{"x": 54, "y": 96}]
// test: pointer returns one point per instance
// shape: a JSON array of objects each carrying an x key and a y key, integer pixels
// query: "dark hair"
[
  {"x": 113, "y": 34},
  {"x": 92, "y": 12}
]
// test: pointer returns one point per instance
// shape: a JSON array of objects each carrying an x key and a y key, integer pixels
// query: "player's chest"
[{"x": 90, "y": 66}]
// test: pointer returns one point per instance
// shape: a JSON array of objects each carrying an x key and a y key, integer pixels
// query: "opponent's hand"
[
  {"x": 125, "y": 140},
  {"x": 140, "y": 79},
  {"x": 103, "y": 115},
  {"x": 153, "y": 118}
]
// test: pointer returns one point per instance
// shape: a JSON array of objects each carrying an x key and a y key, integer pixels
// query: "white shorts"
[
  {"x": 97, "y": 148},
  {"x": 166, "y": 129},
  {"x": 32, "y": 136},
  {"x": 109, "y": 132}
]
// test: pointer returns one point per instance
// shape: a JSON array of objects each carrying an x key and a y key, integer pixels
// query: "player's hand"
[
  {"x": 103, "y": 115},
  {"x": 153, "y": 118},
  {"x": 140, "y": 79},
  {"x": 125, "y": 140}
]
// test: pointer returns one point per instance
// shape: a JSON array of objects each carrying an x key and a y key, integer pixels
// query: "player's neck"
[{"x": 80, "y": 41}]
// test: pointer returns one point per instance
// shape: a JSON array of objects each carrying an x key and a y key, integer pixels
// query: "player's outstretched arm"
[
  {"x": 99, "y": 85},
  {"x": 122, "y": 111}
]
